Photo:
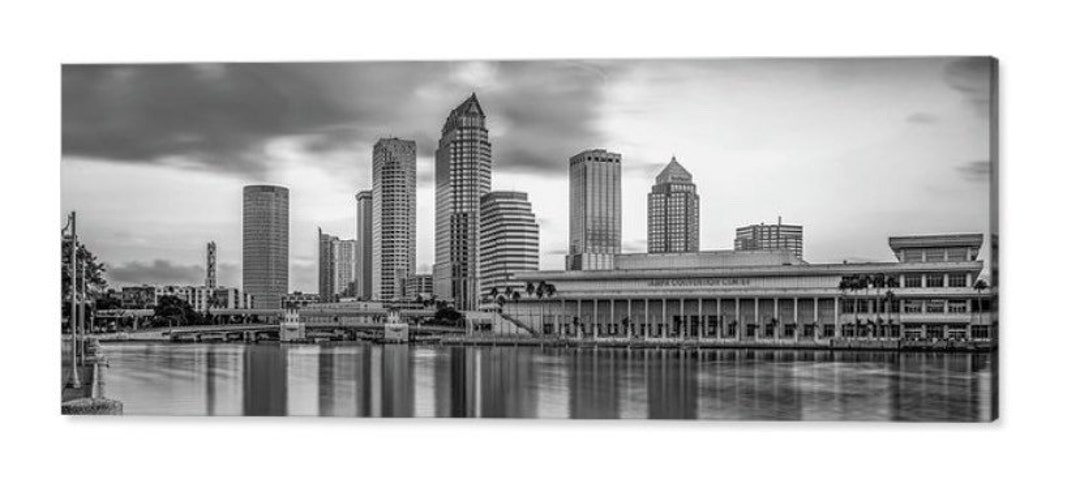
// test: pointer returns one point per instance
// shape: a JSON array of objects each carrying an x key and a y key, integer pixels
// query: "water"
[{"x": 364, "y": 380}]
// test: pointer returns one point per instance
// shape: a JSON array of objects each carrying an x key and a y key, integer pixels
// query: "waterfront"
[{"x": 365, "y": 380}]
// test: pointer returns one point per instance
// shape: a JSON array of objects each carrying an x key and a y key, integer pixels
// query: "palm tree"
[
  {"x": 541, "y": 290},
  {"x": 848, "y": 283},
  {"x": 890, "y": 297},
  {"x": 980, "y": 286}
]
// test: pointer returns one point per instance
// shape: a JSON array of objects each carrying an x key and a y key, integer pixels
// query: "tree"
[
  {"x": 173, "y": 310},
  {"x": 447, "y": 316},
  {"x": 980, "y": 286},
  {"x": 88, "y": 271}
]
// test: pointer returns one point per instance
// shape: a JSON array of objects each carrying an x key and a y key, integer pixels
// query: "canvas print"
[{"x": 711, "y": 239}]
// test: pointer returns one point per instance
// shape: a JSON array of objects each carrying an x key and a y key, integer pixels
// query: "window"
[
  {"x": 935, "y": 281},
  {"x": 935, "y": 306},
  {"x": 958, "y": 306},
  {"x": 913, "y": 306},
  {"x": 980, "y": 332},
  {"x": 935, "y": 255},
  {"x": 957, "y": 280},
  {"x": 828, "y": 330},
  {"x": 913, "y": 280}
]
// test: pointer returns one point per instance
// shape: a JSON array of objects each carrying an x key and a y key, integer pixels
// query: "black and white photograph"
[
  {"x": 702, "y": 239},
  {"x": 552, "y": 248}
]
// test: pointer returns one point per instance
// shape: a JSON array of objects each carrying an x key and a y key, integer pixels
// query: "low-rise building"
[{"x": 930, "y": 292}]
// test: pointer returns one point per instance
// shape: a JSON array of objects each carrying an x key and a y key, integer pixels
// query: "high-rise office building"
[
  {"x": 393, "y": 217},
  {"x": 266, "y": 244},
  {"x": 509, "y": 241},
  {"x": 595, "y": 210},
  {"x": 363, "y": 245},
  {"x": 345, "y": 267},
  {"x": 211, "y": 264},
  {"x": 770, "y": 237},
  {"x": 418, "y": 286},
  {"x": 673, "y": 222},
  {"x": 462, "y": 176},
  {"x": 327, "y": 266}
]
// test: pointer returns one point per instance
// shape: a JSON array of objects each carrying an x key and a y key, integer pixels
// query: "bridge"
[{"x": 317, "y": 330}]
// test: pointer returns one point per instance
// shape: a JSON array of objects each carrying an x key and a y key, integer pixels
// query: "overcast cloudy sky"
[{"x": 155, "y": 156}]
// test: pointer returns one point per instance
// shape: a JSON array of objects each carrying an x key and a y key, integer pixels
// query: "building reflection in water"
[
  {"x": 402, "y": 381},
  {"x": 594, "y": 383},
  {"x": 265, "y": 381}
]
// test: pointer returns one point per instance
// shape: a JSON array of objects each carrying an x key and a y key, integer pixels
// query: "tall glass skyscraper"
[
  {"x": 595, "y": 210},
  {"x": 673, "y": 211},
  {"x": 266, "y": 244},
  {"x": 509, "y": 241},
  {"x": 393, "y": 217},
  {"x": 462, "y": 176},
  {"x": 363, "y": 245}
]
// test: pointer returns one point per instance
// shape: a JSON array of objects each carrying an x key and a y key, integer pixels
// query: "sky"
[{"x": 155, "y": 156}]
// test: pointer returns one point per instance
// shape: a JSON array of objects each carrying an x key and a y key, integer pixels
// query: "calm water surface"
[{"x": 364, "y": 380}]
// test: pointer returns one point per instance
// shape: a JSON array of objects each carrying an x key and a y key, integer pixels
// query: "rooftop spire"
[{"x": 674, "y": 172}]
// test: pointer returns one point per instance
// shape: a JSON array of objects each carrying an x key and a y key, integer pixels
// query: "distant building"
[
  {"x": 509, "y": 240},
  {"x": 419, "y": 286},
  {"x": 595, "y": 210},
  {"x": 266, "y": 244},
  {"x": 393, "y": 217},
  {"x": 230, "y": 299},
  {"x": 133, "y": 297},
  {"x": 345, "y": 267},
  {"x": 211, "y": 264},
  {"x": 462, "y": 176},
  {"x": 770, "y": 237},
  {"x": 201, "y": 298},
  {"x": 363, "y": 245},
  {"x": 299, "y": 300},
  {"x": 673, "y": 220},
  {"x": 327, "y": 266}
]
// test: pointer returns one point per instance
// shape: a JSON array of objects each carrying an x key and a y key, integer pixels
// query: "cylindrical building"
[
  {"x": 509, "y": 242},
  {"x": 266, "y": 244}
]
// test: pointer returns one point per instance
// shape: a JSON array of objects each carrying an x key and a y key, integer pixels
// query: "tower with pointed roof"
[
  {"x": 674, "y": 221},
  {"x": 462, "y": 177}
]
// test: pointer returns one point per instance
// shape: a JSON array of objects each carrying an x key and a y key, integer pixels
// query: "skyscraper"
[
  {"x": 345, "y": 267},
  {"x": 363, "y": 245},
  {"x": 327, "y": 266},
  {"x": 393, "y": 217},
  {"x": 595, "y": 210},
  {"x": 462, "y": 176},
  {"x": 266, "y": 244},
  {"x": 211, "y": 264},
  {"x": 770, "y": 237},
  {"x": 673, "y": 211},
  {"x": 509, "y": 240}
]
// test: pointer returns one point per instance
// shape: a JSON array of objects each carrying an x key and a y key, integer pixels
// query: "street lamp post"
[{"x": 73, "y": 378}]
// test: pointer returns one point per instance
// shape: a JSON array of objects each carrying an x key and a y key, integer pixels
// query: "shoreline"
[{"x": 514, "y": 341}]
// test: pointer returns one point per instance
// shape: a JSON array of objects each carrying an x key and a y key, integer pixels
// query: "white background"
[{"x": 1032, "y": 449}]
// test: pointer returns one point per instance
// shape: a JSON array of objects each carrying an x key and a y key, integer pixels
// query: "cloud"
[
  {"x": 973, "y": 77},
  {"x": 158, "y": 272},
  {"x": 547, "y": 112},
  {"x": 221, "y": 116},
  {"x": 976, "y": 170},
  {"x": 922, "y": 118}
]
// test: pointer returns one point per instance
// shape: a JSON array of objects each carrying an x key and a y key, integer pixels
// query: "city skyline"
[{"x": 130, "y": 234}]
